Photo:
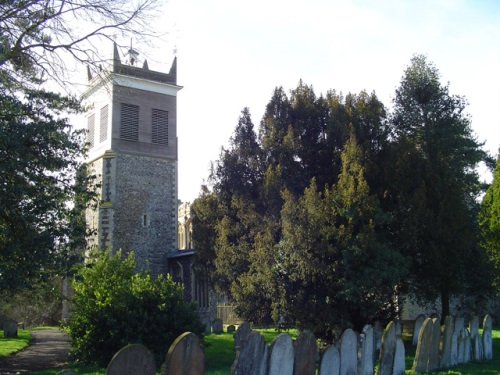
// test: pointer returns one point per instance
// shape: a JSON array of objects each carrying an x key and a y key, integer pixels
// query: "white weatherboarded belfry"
[{"x": 132, "y": 135}]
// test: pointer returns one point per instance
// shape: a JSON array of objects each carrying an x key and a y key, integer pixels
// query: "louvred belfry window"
[
  {"x": 129, "y": 125},
  {"x": 159, "y": 133},
  {"x": 103, "y": 134},
  {"x": 91, "y": 130}
]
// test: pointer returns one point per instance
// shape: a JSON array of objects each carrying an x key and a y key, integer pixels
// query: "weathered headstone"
[
  {"x": 252, "y": 357},
  {"x": 241, "y": 335},
  {"x": 330, "y": 362},
  {"x": 349, "y": 353},
  {"x": 467, "y": 349},
  {"x": 446, "y": 345},
  {"x": 131, "y": 360},
  {"x": 474, "y": 326},
  {"x": 231, "y": 328},
  {"x": 387, "y": 349},
  {"x": 477, "y": 348},
  {"x": 435, "y": 343},
  {"x": 488, "y": 322},
  {"x": 399, "y": 357},
  {"x": 487, "y": 344},
  {"x": 305, "y": 354},
  {"x": 281, "y": 354},
  {"x": 9, "y": 329},
  {"x": 377, "y": 334},
  {"x": 461, "y": 346},
  {"x": 367, "y": 351},
  {"x": 459, "y": 324},
  {"x": 424, "y": 346},
  {"x": 454, "y": 349},
  {"x": 217, "y": 326},
  {"x": 416, "y": 328},
  {"x": 185, "y": 356}
]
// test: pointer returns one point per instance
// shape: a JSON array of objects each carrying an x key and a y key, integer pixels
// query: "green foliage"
[
  {"x": 334, "y": 256},
  {"x": 41, "y": 194},
  {"x": 40, "y": 155},
  {"x": 490, "y": 223},
  {"x": 435, "y": 187},
  {"x": 38, "y": 305},
  {"x": 114, "y": 306}
]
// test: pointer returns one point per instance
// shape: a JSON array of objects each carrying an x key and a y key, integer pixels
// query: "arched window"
[
  {"x": 181, "y": 236},
  {"x": 200, "y": 290}
]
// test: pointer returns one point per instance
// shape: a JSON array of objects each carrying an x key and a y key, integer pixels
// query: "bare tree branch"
[{"x": 37, "y": 35}]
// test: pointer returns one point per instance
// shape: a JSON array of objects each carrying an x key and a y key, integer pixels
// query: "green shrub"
[{"x": 114, "y": 306}]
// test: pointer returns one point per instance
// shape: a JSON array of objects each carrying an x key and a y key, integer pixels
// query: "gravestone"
[
  {"x": 446, "y": 343},
  {"x": 477, "y": 348},
  {"x": 231, "y": 328},
  {"x": 461, "y": 346},
  {"x": 281, "y": 354},
  {"x": 457, "y": 332},
  {"x": 377, "y": 334},
  {"x": 241, "y": 335},
  {"x": 399, "y": 357},
  {"x": 459, "y": 325},
  {"x": 416, "y": 328},
  {"x": 387, "y": 349},
  {"x": 474, "y": 326},
  {"x": 467, "y": 349},
  {"x": 424, "y": 346},
  {"x": 487, "y": 344},
  {"x": 185, "y": 356},
  {"x": 66, "y": 372},
  {"x": 252, "y": 356},
  {"x": 217, "y": 326},
  {"x": 131, "y": 360},
  {"x": 367, "y": 351},
  {"x": 9, "y": 329},
  {"x": 435, "y": 343},
  {"x": 330, "y": 362},
  {"x": 488, "y": 322},
  {"x": 349, "y": 353},
  {"x": 454, "y": 349},
  {"x": 305, "y": 354}
]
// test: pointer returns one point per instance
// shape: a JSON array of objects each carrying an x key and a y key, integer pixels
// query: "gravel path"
[{"x": 48, "y": 350}]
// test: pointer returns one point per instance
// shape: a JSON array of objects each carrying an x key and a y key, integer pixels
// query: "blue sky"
[{"x": 232, "y": 54}]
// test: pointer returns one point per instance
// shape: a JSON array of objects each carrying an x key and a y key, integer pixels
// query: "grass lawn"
[
  {"x": 219, "y": 350},
  {"x": 10, "y": 346}
]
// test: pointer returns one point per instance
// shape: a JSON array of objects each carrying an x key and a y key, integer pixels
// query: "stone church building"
[{"x": 132, "y": 135}]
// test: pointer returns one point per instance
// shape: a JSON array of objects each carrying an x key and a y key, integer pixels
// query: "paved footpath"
[{"x": 48, "y": 350}]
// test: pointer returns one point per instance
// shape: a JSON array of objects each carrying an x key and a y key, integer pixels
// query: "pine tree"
[
  {"x": 435, "y": 185},
  {"x": 490, "y": 223}
]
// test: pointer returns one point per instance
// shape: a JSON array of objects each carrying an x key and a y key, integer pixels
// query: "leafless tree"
[{"x": 37, "y": 36}]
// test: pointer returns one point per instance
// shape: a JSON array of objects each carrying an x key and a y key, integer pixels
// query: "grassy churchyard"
[{"x": 219, "y": 350}]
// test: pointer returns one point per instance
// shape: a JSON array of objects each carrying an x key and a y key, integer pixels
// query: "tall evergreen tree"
[
  {"x": 334, "y": 256},
  {"x": 437, "y": 185},
  {"x": 490, "y": 223}
]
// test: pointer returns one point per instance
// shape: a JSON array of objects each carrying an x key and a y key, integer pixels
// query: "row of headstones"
[
  {"x": 354, "y": 356},
  {"x": 452, "y": 344}
]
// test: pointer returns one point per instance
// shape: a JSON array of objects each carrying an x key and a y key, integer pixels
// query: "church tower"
[{"x": 132, "y": 135}]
